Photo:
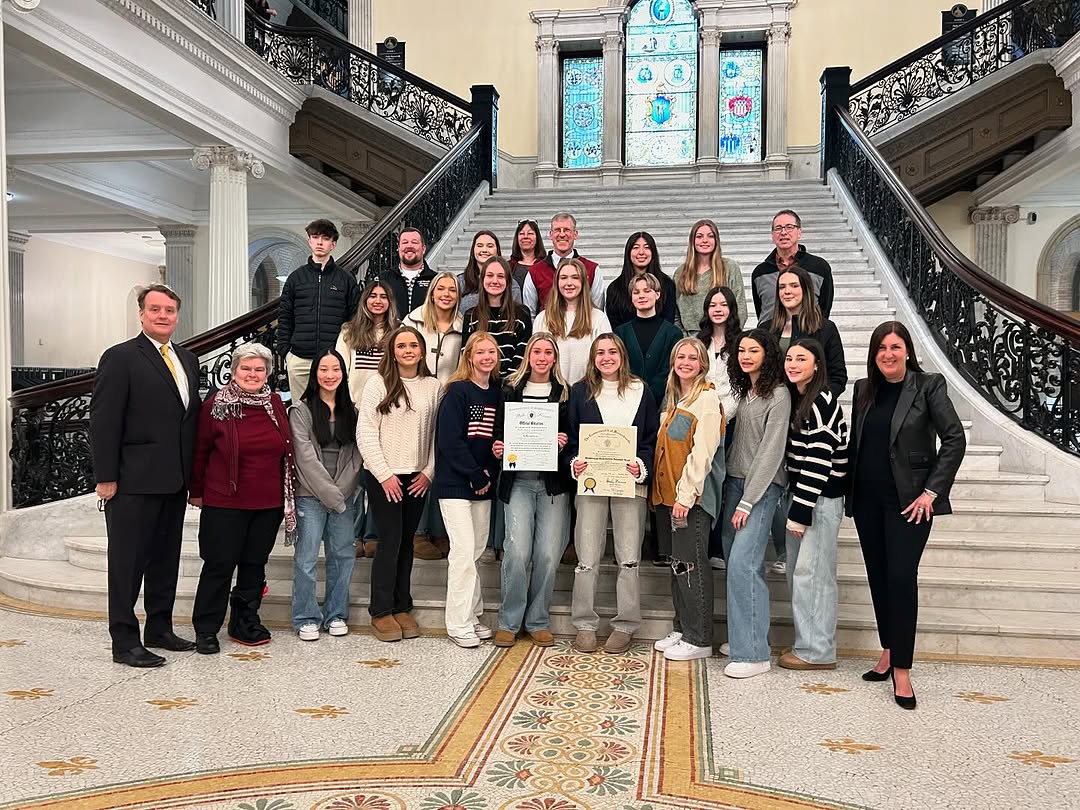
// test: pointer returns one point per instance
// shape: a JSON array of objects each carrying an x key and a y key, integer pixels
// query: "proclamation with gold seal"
[
  {"x": 607, "y": 449},
  {"x": 531, "y": 436}
]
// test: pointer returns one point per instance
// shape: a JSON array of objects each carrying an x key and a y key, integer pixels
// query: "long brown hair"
[
  {"x": 508, "y": 308},
  {"x": 686, "y": 277},
  {"x": 539, "y": 251},
  {"x": 525, "y": 369},
  {"x": 391, "y": 373},
  {"x": 473, "y": 271},
  {"x": 810, "y": 314},
  {"x": 555, "y": 306},
  {"x": 465, "y": 365},
  {"x": 818, "y": 383},
  {"x": 874, "y": 377},
  {"x": 362, "y": 332},
  {"x": 674, "y": 385},
  {"x": 594, "y": 381}
]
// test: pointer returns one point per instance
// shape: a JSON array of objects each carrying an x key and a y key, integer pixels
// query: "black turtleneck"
[{"x": 646, "y": 330}]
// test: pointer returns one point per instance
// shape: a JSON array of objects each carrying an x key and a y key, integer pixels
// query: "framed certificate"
[
  {"x": 607, "y": 449},
  {"x": 531, "y": 436}
]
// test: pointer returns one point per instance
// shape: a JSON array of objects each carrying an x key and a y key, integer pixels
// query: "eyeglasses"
[{"x": 785, "y": 228}]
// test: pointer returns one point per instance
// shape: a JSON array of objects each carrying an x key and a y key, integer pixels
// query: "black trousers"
[
  {"x": 891, "y": 549},
  {"x": 232, "y": 540},
  {"x": 391, "y": 570},
  {"x": 145, "y": 532}
]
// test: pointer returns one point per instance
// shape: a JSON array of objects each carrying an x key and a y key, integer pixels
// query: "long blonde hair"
[
  {"x": 594, "y": 381},
  {"x": 524, "y": 369},
  {"x": 555, "y": 306},
  {"x": 427, "y": 311},
  {"x": 465, "y": 367},
  {"x": 362, "y": 333},
  {"x": 673, "y": 389},
  {"x": 686, "y": 277}
]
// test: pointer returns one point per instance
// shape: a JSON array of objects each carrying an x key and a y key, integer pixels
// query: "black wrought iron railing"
[
  {"x": 1021, "y": 355},
  {"x": 314, "y": 56},
  {"x": 950, "y": 63},
  {"x": 207, "y": 7},
  {"x": 51, "y": 453},
  {"x": 29, "y": 376},
  {"x": 335, "y": 12}
]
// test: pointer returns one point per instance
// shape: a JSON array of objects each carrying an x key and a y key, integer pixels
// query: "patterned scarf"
[{"x": 229, "y": 405}]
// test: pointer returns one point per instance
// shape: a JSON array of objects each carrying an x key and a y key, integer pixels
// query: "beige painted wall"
[
  {"x": 465, "y": 42},
  {"x": 1027, "y": 242},
  {"x": 953, "y": 216},
  {"x": 77, "y": 302}
]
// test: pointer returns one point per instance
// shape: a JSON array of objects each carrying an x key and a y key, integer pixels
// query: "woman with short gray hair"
[{"x": 242, "y": 479}]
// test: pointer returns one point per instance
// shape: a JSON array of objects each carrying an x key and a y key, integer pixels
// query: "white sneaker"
[
  {"x": 779, "y": 567},
  {"x": 338, "y": 627},
  {"x": 685, "y": 651},
  {"x": 718, "y": 563},
  {"x": 467, "y": 640},
  {"x": 725, "y": 649},
  {"x": 482, "y": 631},
  {"x": 308, "y": 632},
  {"x": 670, "y": 640},
  {"x": 746, "y": 669}
]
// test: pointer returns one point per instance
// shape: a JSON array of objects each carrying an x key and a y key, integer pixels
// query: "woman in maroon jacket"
[{"x": 242, "y": 479}]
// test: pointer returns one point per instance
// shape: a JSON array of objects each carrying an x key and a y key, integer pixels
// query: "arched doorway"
[{"x": 272, "y": 255}]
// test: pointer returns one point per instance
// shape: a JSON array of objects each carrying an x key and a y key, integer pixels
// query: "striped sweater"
[
  {"x": 511, "y": 334},
  {"x": 817, "y": 459}
]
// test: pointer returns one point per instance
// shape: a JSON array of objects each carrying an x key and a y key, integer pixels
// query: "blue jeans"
[
  {"x": 431, "y": 522},
  {"x": 535, "y": 532},
  {"x": 314, "y": 525},
  {"x": 747, "y": 591},
  {"x": 811, "y": 576}
]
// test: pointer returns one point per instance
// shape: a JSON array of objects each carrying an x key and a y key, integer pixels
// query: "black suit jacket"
[
  {"x": 923, "y": 413},
  {"x": 141, "y": 434}
]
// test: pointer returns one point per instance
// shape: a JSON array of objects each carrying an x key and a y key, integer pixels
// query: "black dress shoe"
[
  {"x": 874, "y": 675},
  {"x": 901, "y": 701},
  {"x": 139, "y": 657},
  {"x": 171, "y": 642},
  {"x": 206, "y": 644}
]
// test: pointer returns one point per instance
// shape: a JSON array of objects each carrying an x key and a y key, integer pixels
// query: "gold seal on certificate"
[
  {"x": 607, "y": 449},
  {"x": 531, "y": 436}
]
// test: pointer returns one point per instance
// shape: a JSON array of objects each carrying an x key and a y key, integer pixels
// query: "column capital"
[
  {"x": 17, "y": 241},
  {"x": 998, "y": 215},
  {"x": 779, "y": 32},
  {"x": 613, "y": 41},
  {"x": 710, "y": 35},
  {"x": 178, "y": 235},
  {"x": 355, "y": 230},
  {"x": 24, "y": 5},
  {"x": 547, "y": 46},
  {"x": 205, "y": 157}
]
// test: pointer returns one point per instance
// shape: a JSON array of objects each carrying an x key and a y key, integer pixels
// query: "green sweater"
[
  {"x": 691, "y": 307},
  {"x": 651, "y": 366}
]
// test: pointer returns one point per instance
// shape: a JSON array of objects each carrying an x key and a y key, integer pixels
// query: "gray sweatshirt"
[
  {"x": 312, "y": 478},
  {"x": 757, "y": 450}
]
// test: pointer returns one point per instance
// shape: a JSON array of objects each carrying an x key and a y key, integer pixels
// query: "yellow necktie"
[{"x": 169, "y": 363}]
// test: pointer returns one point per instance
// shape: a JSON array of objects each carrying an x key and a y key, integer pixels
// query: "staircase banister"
[
  {"x": 381, "y": 64},
  {"x": 1004, "y": 296},
  {"x": 935, "y": 45},
  {"x": 352, "y": 258}
]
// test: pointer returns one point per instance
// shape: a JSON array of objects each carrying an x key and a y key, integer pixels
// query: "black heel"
[
  {"x": 901, "y": 701},
  {"x": 874, "y": 675}
]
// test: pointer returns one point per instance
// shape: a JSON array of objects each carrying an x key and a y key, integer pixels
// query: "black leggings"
[{"x": 391, "y": 570}]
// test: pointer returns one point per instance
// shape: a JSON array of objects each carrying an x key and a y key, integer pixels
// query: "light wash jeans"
[
  {"x": 747, "y": 591},
  {"x": 627, "y": 526},
  {"x": 316, "y": 525},
  {"x": 535, "y": 532},
  {"x": 467, "y": 522},
  {"x": 811, "y": 578}
]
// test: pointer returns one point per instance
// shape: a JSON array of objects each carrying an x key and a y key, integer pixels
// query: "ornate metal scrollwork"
[
  {"x": 335, "y": 12},
  {"x": 995, "y": 41},
  {"x": 207, "y": 7}
]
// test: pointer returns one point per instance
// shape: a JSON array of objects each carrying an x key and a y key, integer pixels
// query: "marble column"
[
  {"x": 992, "y": 237},
  {"x": 614, "y": 66},
  {"x": 180, "y": 273},
  {"x": 230, "y": 14},
  {"x": 16, "y": 254},
  {"x": 547, "y": 105},
  {"x": 354, "y": 232},
  {"x": 230, "y": 293},
  {"x": 777, "y": 160},
  {"x": 708, "y": 103},
  {"x": 360, "y": 33}
]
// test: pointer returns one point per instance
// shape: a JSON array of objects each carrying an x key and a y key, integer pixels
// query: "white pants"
[{"x": 467, "y": 525}]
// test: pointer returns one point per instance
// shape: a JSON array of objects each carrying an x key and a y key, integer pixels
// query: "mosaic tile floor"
[{"x": 354, "y": 724}]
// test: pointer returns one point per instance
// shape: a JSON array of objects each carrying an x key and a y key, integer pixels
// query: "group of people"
[{"x": 395, "y": 439}]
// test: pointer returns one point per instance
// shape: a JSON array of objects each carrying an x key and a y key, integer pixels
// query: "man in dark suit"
[{"x": 143, "y": 414}]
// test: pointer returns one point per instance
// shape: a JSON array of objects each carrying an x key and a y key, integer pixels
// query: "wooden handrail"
[{"x": 1007, "y": 298}]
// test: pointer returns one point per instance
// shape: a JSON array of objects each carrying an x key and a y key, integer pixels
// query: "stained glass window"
[
  {"x": 742, "y": 96},
  {"x": 661, "y": 83},
  {"x": 583, "y": 111}
]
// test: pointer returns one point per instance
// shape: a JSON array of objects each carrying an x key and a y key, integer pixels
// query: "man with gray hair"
[
  {"x": 541, "y": 277},
  {"x": 143, "y": 414}
]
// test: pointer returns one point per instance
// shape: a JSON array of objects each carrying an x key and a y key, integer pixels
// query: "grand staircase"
[{"x": 1000, "y": 577}]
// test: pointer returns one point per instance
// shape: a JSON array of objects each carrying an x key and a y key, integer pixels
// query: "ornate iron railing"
[
  {"x": 207, "y": 7},
  {"x": 1022, "y": 356},
  {"x": 950, "y": 63},
  {"x": 313, "y": 56},
  {"x": 335, "y": 12},
  {"x": 51, "y": 456},
  {"x": 29, "y": 376}
]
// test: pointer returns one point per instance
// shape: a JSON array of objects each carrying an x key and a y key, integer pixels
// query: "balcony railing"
[
  {"x": 335, "y": 12},
  {"x": 207, "y": 7}
]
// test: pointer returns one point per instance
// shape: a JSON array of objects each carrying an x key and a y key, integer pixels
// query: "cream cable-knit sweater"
[{"x": 402, "y": 441}]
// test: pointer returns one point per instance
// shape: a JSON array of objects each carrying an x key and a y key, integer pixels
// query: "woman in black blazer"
[{"x": 900, "y": 480}]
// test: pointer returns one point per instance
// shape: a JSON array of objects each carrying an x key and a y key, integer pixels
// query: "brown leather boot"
[
  {"x": 442, "y": 544},
  {"x": 424, "y": 550},
  {"x": 386, "y": 628},
  {"x": 569, "y": 556},
  {"x": 408, "y": 625},
  {"x": 370, "y": 546}
]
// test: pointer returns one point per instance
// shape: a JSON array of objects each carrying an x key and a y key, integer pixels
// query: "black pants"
[
  {"x": 391, "y": 570},
  {"x": 145, "y": 532},
  {"x": 232, "y": 539},
  {"x": 891, "y": 548}
]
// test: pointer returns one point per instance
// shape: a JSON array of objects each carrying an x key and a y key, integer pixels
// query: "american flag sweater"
[
  {"x": 817, "y": 458},
  {"x": 464, "y": 433}
]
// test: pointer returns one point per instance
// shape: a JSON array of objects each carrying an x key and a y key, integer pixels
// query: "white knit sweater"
[
  {"x": 574, "y": 352},
  {"x": 402, "y": 441}
]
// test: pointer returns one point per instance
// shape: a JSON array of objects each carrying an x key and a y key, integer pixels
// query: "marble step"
[
  {"x": 946, "y": 630},
  {"x": 952, "y": 549}
]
